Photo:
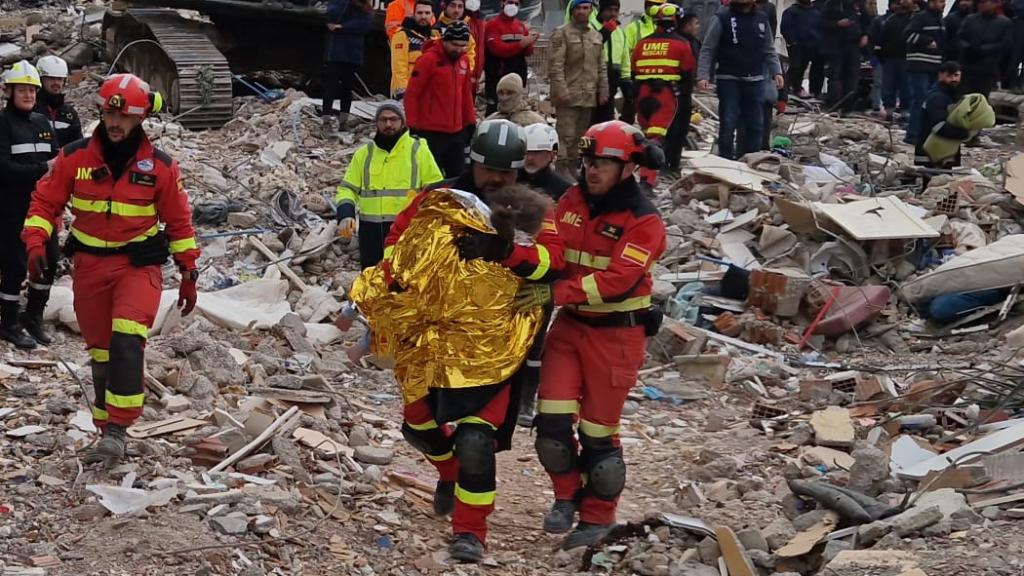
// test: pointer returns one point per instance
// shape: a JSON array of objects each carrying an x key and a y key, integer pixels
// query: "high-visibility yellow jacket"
[
  {"x": 636, "y": 31},
  {"x": 380, "y": 184},
  {"x": 406, "y": 47},
  {"x": 615, "y": 53}
]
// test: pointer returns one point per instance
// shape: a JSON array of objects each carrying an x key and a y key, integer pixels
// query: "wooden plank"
[
  {"x": 732, "y": 551},
  {"x": 282, "y": 266},
  {"x": 997, "y": 501},
  {"x": 167, "y": 426}
]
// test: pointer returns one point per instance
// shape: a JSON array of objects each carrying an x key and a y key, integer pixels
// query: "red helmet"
[
  {"x": 129, "y": 94},
  {"x": 623, "y": 142}
]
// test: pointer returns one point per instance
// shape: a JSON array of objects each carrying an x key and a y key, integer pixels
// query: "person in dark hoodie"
[
  {"x": 952, "y": 22},
  {"x": 801, "y": 28},
  {"x": 936, "y": 109},
  {"x": 891, "y": 47},
  {"x": 63, "y": 117},
  {"x": 845, "y": 26},
  {"x": 926, "y": 44},
  {"x": 984, "y": 38},
  {"x": 348, "y": 22}
]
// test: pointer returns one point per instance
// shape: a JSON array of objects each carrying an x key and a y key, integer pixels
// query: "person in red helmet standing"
[
  {"x": 613, "y": 236},
  {"x": 120, "y": 189}
]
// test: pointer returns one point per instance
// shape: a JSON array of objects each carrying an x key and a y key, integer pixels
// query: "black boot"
[
  {"x": 11, "y": 330},
  {"x": 110, "y": 449},
  {"x": 32, "y": 319},
  {"x": 559, "y": 519},
  {"x": 444, "y": 498},
  {"x": 586, "y": 534},
  {"x": 466, "y": 548},
  {"x": 528, "y": 396}
]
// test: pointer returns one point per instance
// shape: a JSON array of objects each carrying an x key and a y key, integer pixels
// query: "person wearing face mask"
[
  {"x": 612, "y": 236},
  {"x": 579, "y": 80},
  {"x": 439, "y": 98},
  {"x": 739, "y": 47},
  {"x": 53, "y": 72},
  {"x": 477, "y": 26},
  {"x": 27, "y": 147},
  {"x": 121, "y": 190},
  {"x": 465, "y": 459},
  {"x": 512, "y": 103},
  {"x": 508, "y": 42},
  {"x": 381, "y": 178},
  {"x": 407, "y": 45}
]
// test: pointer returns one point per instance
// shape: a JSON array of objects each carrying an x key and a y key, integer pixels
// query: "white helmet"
[
  {"x": 541, "y": 137},
  {"x": 22, "y": 73},
  {"x": 52, "y": 67}
]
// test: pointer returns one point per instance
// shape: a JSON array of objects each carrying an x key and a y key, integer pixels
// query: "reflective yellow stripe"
[
  {"x": 588, "y": 260},
  {"x": 388, "y": 250},
  {"x": 476, "y": 420},
  {"x": 39, "y": 222},
  {"x": 178, "y": 246},
  {"x": 99, "y": 413},
  {"x": 558, "y": 406},
  {"x": 627, "y": 305},
  {"x": 100, "y": 243},
  {"x": 666, "y": 77},
  {"x": 474, "y": 498},
  {"x": 132, "y": 327},
  {"x": 589, "y": 284},
  {"x": 428, "y": 425},
  {"x": 656, "y": 131},
  {"x": 118, "y": 208},
  {"x": 657, "y": 62},
  {"x": 118, "y": 401},
  {"x": 595, "y": 430},
  {"x": 543, "y": 263},
  {"x": 446, "y": 456},
  {"x": 99, "y": 355}
]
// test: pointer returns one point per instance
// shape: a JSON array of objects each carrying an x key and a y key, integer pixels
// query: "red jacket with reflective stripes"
[
  {"x": 540, "y": 262},
  {"x": 611, "y": 245},
  {"x": 109, "y": 213},
  {"x": 504, "y": 36},
  {"x": 439, "y": 96},
  {"x": 664, "y": 55}
]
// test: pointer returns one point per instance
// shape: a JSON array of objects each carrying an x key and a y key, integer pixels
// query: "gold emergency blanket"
[{"x": 453, "y": 324}]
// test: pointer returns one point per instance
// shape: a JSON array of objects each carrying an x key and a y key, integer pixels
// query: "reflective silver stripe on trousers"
[
  {"x": 60, "y": 125},
  {"x": 9, "y": 297},
  {"x": 43, "y": 287},
  {"x": 414, "y": 173},
  {"x": 533, "y": 363},
  {"x": 29, "y": 148}
]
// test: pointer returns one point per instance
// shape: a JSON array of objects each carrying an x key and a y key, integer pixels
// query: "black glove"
[{"x": 490, "y": 247}]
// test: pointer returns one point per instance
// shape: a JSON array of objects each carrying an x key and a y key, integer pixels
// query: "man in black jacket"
[
  {"x": 844, "y": 32},
  {"x": 952, "y": 22},
  {"x": 926, "y": 40},
  {"x": 891, "y": 48},
  {"x": 53, "y": 72},
  {"x": 26, "y": 149},
  {"x": 936, "y": 109},
  {"x": 801, "y": 28},
  {"x": 985, "y": 38}
]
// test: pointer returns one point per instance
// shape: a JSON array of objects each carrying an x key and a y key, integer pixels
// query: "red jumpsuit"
[
  {"x": 467, "y": 456},
  {"x": 596, "y": 345},
  {"x": 660, "y": 62},
  {"x": 115, "y": 300}
]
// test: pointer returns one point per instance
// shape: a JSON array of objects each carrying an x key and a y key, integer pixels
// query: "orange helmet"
[
  {"x": 623, "y": 142},
  {"x": 130, "y": 95}
]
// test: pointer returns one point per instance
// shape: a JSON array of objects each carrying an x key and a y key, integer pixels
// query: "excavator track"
[{"x": 187, "y": 69}]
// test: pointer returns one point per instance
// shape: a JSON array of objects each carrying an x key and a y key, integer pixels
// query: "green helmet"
[{"x": 499, "y": 144}]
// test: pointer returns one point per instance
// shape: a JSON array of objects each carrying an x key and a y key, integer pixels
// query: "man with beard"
[
  {"x": 541, "y": 153},
  {"x": 381, "y": 179},
  {"x": 407, "y": 45},
  {"x": 439, "y": 98},
  {"x": 53, "y": 72},
  {"x": 940, "y": 100},
  {"x": 27, "y": 148},
  {"x": 465, "y": 458},
  {"x": 121, "y": 190},
  {"x": 451, "y": 11},
  {"x": 512, "y": 104}
]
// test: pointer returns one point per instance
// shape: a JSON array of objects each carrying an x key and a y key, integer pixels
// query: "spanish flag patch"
[{"x": 636, "y": 254}]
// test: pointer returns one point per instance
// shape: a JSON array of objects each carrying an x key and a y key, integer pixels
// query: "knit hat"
[
  {"x": 456, "y": 31},
  {"x": 577, "y": 3},
  {"x": 511, "y": 82},
  {"x": 391, "y": 105}
]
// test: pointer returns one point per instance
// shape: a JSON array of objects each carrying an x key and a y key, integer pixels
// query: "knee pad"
[
  {"x": 474, "y": 447},
  {"x": 556, "y": 456},
  {"x": 605, "y": 467},
  {"x": 417, "y": 440}
]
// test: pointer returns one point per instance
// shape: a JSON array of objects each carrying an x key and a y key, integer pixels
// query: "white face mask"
[
  {"x": 472, "y": 5},
  {"x": 510, "y": 10}
]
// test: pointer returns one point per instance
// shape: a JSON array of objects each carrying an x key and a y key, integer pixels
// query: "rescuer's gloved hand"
[
  {"x": 530, "y": 295},
  {"x": 346, "y": 228},
  {"x": 187, "y": 294},
  {"x": 37, "y": 264},
  {"x": 490, "y": 247}
]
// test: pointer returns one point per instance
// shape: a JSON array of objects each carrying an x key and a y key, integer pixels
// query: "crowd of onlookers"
[{"x": 445, "y": 52}]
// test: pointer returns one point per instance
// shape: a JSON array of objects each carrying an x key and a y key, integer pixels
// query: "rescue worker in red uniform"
[
  {"x": 120, "y": 189},
  {"x": 486, "y": 415},
  {"x": 663, "y": 66},
  {"x": 613, "y": 236}
]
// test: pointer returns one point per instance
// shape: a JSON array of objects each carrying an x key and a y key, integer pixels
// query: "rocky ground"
[{"x": 718, "y": 434}]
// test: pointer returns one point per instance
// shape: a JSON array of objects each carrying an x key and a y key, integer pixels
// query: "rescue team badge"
[
  {"x": 636, "y": 254},
  {"x": 611, "y": 231},
  {"x": 145, "y": 165}
]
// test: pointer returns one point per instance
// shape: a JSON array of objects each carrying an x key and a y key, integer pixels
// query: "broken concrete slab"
[
  {"x": 233, "y": 524},
  {"x": 833, "y": 427}
]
